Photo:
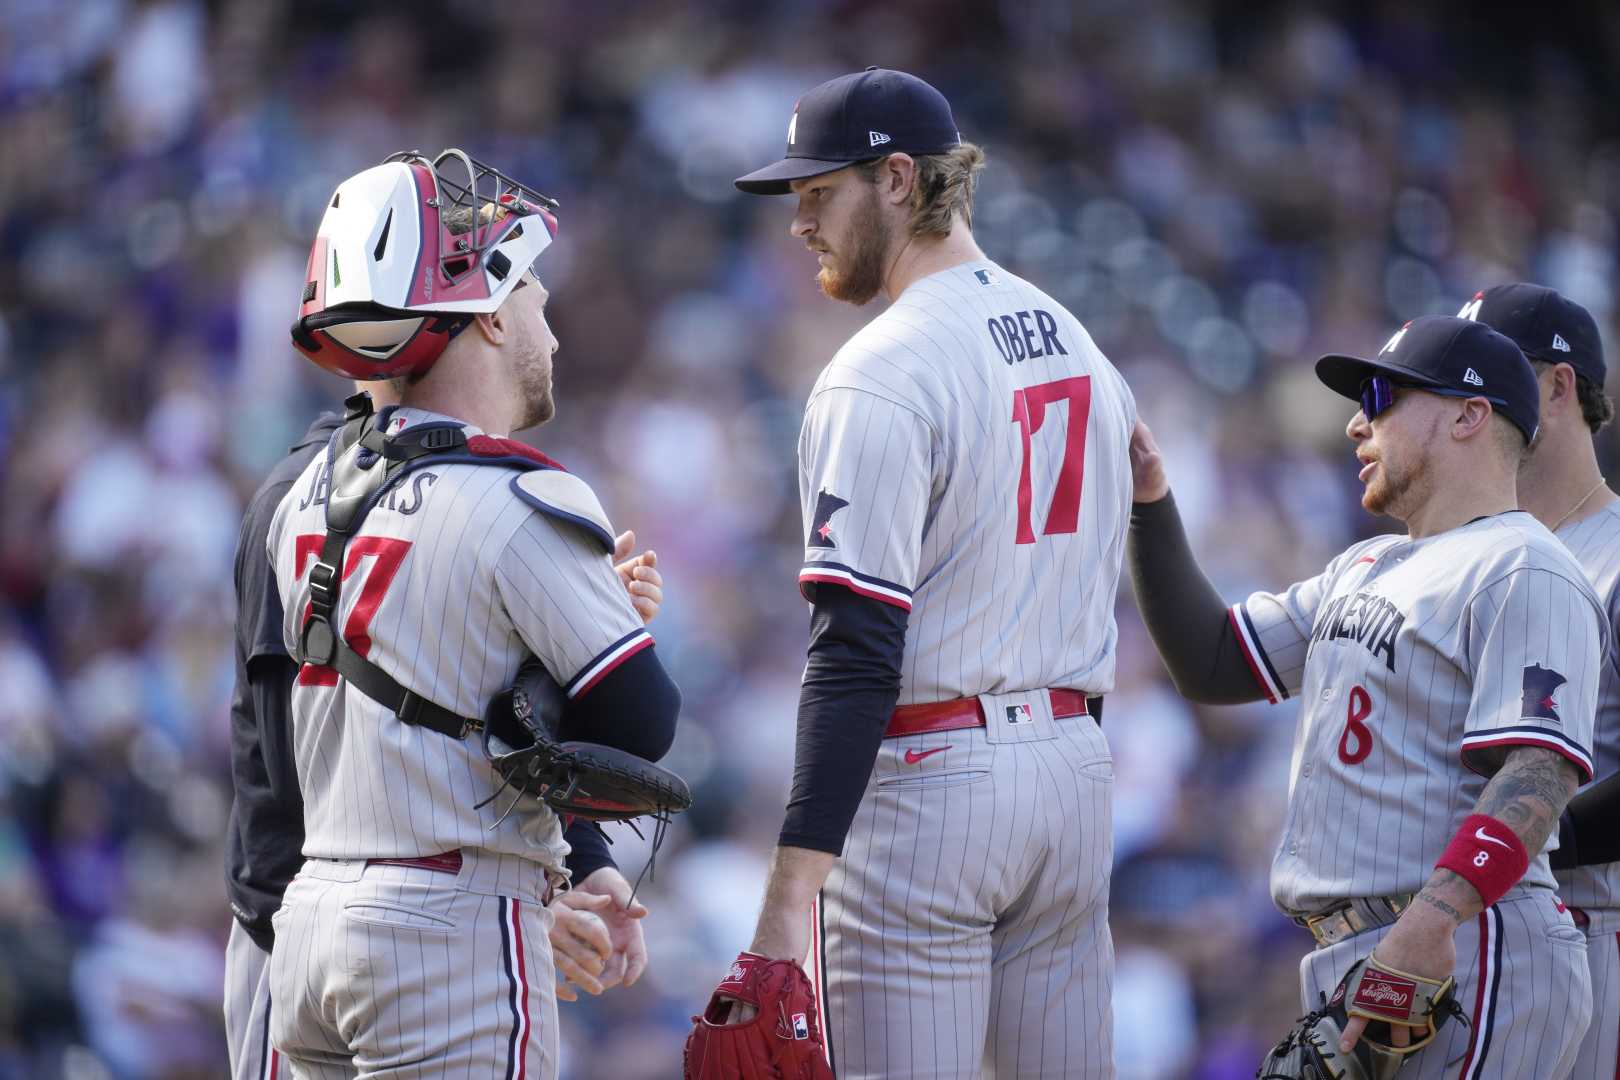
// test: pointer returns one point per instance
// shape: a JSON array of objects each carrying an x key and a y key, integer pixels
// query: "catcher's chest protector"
[{"x": 365, "y": 462}]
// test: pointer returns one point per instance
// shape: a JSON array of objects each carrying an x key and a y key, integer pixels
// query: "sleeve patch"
[
  {"x": 1540, "y": 690},
  {"x": 566, "y": 496},
  {"x": 822, "y": 534}
]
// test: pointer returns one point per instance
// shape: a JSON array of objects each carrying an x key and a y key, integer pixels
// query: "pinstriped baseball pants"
[
  {"x": 247, "y": 1009},
  {"x": 1599, "y": 1054},
  {"x": 402, "y": 972},
  {"x": 1522, "y": 981},
  {"x": 964, "y": 933}
]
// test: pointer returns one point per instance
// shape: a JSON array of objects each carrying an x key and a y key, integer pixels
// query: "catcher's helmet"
[{"x": 406, "y": 253}]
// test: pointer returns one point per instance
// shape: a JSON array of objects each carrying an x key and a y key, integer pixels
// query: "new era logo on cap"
[
  {"x": 1471, "y": 377},
  {"x": 1545, "y": 324},
  {"x": 877, "y": 137}
]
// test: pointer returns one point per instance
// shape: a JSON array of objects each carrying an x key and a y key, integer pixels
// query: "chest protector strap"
[{"x": 365, "y": 461}]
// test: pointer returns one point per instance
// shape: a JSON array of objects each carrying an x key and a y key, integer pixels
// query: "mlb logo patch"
[
  {"x": 985, "y": 277},
  {"x": 801, "y": 1026},
  {"x": 1019, "y": 714}
]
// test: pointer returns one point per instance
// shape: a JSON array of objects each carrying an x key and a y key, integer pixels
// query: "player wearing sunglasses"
[{"x": 1447, "y": 680}]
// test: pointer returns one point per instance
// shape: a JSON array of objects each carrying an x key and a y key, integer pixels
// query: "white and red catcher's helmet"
[{"x": 406, "y": 253}]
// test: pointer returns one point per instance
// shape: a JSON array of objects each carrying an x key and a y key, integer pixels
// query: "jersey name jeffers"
[
  {"x": 1366, "y": 617},
  {"x": 399, "y": 498},
  {"x": 1015, "y": 335}
]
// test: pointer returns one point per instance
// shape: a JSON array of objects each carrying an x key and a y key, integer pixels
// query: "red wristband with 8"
[{"x": 1488, "y": 855}]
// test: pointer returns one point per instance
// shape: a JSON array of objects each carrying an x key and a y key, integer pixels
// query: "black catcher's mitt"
[
  {"x": 1382, "y": 994},
  {"x": 587, "y": 780}
]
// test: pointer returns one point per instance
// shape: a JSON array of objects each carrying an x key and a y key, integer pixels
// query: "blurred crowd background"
[{"x": 1219, "y": 191}]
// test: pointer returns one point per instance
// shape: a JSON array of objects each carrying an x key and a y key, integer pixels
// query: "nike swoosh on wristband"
[
  {"x": 914, "y": 756},
  {"x": 1481, "y": 834}
]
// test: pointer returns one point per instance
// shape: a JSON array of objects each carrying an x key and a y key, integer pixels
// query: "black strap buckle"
[
  {"x": 318, "y": 643},
  {"x": 323, "y": 580}
]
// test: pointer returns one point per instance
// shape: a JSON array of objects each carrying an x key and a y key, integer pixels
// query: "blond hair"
[{"x": 944, "y": 188}]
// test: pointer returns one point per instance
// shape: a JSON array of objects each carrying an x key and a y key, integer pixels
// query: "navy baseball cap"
[
  {"x": 858, "y": 117},
  {"x": 1544, "y": 323},
  {"x": 1456, "y": 356}
]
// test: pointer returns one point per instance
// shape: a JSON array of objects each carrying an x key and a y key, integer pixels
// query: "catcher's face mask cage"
[{"x": 406, "y": 253}]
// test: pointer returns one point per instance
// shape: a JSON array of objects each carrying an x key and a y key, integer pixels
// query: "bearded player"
[
  {"x": 1448, "y": 679},
  {"x": 596, "y": 939},
  {"x": 413, "y": 941},
  {"x": 964, "y": 484}
]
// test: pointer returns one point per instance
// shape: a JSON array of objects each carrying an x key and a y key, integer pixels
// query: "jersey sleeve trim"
[
  {"x": 1525, "y": 735},
  {"x": 608, "y": 659},
  {"x": 1259, "y": 663},
  {"x": 831, "y": 573}
]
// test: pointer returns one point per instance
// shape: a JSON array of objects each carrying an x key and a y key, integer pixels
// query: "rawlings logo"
[
  {"x": 738, "y": 972},
  {"x": 1384, "y": 993}
]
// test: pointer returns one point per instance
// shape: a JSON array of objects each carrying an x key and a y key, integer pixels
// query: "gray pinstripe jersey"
[
  {"x": 1410, "y": 658},
  {"x": 1595, "y": 542},
  {"x": 456, "y": 581},
  {"x": 964, "y": 456}
]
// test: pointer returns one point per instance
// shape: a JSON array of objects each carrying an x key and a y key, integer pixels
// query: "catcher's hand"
[
  {"x": 585, "y": 779},
  {"x": 783, "y": 1037},
  {"x": 1380, "y": 994}
]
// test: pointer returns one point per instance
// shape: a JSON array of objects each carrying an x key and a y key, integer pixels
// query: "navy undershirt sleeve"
[
  {"x": 587, "y": 849},
  {"x": 1185, "y": 616},
  {"x": 851, "y": 682},
  {"x": 633, "y": 708}
]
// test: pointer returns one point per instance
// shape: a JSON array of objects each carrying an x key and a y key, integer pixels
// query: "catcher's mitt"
[
  {"x": 783, "y": 1040},
  {"x": 1381, "y": 994},
  {"x": 585, "y": 779}
]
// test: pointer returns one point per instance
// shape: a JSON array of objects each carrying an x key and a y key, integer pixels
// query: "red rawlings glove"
[{"x": 783, "y": 1040}]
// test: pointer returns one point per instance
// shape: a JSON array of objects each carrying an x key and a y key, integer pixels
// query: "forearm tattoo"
[{"x": 1529, "y": 792}]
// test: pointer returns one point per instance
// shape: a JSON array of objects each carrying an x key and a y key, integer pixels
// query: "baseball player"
[
  {"x": 1560, "y": 483},
  {"x": 1448, "y": 680},
  {"x": 413, "y": 940},
  {"x": 964, "y": 479},
  {"x": 266, "y": 832}
]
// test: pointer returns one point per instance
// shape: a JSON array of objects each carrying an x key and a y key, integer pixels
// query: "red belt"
[
  {"x": 448, "y": 862},
  {"x": 968, "y": 713}
]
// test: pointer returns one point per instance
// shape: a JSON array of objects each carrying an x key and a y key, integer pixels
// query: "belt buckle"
[{"x": 1326, "y": 935}]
